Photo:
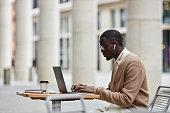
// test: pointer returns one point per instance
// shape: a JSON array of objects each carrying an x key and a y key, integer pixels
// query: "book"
[{"x": 34, "y": 91}]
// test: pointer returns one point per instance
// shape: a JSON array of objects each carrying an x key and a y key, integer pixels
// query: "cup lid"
[{"x": 43, "y": 81}]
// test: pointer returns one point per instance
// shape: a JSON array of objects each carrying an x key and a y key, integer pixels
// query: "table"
[{"x": 37, "y": 96}]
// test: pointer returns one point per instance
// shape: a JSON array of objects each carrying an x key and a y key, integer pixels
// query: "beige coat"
[{"x": 128, "y": 87}]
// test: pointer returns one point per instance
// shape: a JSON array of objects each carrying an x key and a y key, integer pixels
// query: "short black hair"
[{"x": 113, "y": 35}]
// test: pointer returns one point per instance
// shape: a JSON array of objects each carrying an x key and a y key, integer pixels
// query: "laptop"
[{"x": 60, "y": 81}]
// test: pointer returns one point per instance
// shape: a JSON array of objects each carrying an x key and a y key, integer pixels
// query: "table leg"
[{"x": 56, "y": 106}]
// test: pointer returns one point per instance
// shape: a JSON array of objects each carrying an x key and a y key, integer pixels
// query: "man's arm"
[
  {"x": 82, "y": 88},
  {"x": 134, "y": 77}
]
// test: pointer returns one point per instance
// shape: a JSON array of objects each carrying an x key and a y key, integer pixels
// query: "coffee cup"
[{"x": 44, "y": 85}]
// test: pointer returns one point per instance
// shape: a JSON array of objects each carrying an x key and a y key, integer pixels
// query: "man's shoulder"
[
  {"x": 132, "y": 57},
  {"x": 132, "y": 60}
]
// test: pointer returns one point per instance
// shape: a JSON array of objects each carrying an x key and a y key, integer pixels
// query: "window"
[
  {"x": 36, "y": 29},
  {"x": 98, "y": 20},
  {"x": 113, "y": 18},
  {"x": 67, "y": 24},
  {"x": 64, "y": 53},
  {"x": 166, "y": 51},
  {"x": 35, "y": 53},
  {"x": 98, "y": 53},
  {"x": 61, "y": 25},
  {"x": 166, "y": 12},
  {"x": 35, "y": 4},
  {"x": 123, "y": 17},
  {"x": 61, "y": 52},
  {"x": 63, "y": 1},
  {"x": 67, "y": 53},
  {"x": 124, "y": 40},
  {"x": 64, "y": 24}
]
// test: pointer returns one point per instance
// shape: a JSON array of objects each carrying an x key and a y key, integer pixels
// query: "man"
[{"x": 128, "y": 84}]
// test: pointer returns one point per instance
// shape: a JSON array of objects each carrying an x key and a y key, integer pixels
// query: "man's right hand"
[{"x": 76, "y": 88}]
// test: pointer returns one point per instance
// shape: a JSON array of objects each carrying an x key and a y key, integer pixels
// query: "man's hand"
[
  {"x": 75, "y": 88},
  {"x": 89, "y": 89},
  {"x": 82, "y": 88}
]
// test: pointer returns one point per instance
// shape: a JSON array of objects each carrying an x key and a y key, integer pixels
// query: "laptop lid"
[{"x": 60, "y": 79}]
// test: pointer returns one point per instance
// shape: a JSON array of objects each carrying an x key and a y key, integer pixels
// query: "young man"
[{"x": 128, "y": 84}]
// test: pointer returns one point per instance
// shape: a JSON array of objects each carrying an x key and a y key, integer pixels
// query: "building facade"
[
  {"x": 112, "y": 14},
  {"x": 66, "y": 33}
]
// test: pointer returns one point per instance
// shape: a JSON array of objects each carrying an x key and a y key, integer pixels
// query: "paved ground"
[{"x": 11, "y": 103}]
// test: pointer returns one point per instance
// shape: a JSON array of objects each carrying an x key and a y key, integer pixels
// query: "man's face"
[{"x": 106, "y": 48}]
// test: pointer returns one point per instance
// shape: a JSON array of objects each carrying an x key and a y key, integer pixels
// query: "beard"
[{"x": 108, "y": 58}]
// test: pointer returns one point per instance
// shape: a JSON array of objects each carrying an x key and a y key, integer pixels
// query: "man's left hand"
[{"x": 89, "y": 89}]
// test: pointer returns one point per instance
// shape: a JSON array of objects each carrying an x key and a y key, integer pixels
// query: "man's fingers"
[
  {"x": 79, "y": 87},
  {"x": 76, "y": 88},
  {"x": 72, "y": 87},
  {"x": 85, "y": 90},
  {"x": 80, "y": 84},
  {"x": 82, "y": 90}
]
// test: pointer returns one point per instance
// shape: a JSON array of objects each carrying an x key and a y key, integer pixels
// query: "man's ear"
[{"x": 115, "y": 43}]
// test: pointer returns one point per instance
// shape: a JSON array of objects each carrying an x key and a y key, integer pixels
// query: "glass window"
[
  {"x": 35, "y": 53},
  {"x": 61, "y": 25},
  {"x": 166, "y": 12},
  {"x": 166, "y": 51},
  {"x": 61, "y": 52},
  {"x": 98, "y": 53},
  {"x": 98, "y": 20},
  {"x": 67, "y": 24},
  {"x": 64, "y": 24},
  {"x": 124, "y": 40},
  {"x": 36, "y": 29},
  {"x": 64, "y": 53},
  {"x": 123, "y": 17},
  {"x": 67, "y": 53},
  {"x": 63, "y": 1},
  {"x": 113, "y": 18},
  {"x": 35, "y": 4}
]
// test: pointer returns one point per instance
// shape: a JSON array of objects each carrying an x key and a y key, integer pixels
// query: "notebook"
[{"x": 60, "y": 81}]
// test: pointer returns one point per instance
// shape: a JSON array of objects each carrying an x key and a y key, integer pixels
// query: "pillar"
[
  {"x": 24, "y": 40},
  {"x": 5, "y": 35},
  {"x": 144, "y": 37},
  {"x": 48, "y": 45},
  {"x": 84, "y": 64}
]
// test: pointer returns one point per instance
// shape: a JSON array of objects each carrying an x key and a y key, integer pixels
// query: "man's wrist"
[{"x": 96, "y": 90}]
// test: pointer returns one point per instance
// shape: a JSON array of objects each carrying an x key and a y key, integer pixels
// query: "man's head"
[{"x": 111, "y": 43}]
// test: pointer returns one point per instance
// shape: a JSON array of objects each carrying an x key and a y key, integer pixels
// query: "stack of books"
[{"x": 35, "y": 91}]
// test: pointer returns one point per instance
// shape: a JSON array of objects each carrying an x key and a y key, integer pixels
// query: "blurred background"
[{"x": 36, "y": 35}]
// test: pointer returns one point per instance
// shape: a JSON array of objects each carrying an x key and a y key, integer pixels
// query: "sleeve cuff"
[{"x": 97, "y": 90}]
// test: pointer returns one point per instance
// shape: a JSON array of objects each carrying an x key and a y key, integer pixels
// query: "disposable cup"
[{"x": 44, "y": 85}]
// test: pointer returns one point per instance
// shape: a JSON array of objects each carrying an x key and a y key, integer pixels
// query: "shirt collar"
[{"x": 122, "y": 55}]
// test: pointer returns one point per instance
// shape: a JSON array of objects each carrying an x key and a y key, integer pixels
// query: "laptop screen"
[{"x": 60, "y": 79}]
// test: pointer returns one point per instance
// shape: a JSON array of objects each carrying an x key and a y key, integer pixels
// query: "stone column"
[
  {"x": 5, "y": 35},
  {"x": 84, "y": 14},
  {"x": 105, "y": 22},
  {"x": 24, "y": 40},
  {"x": 48, "y": 50},
  {"x": 144, "y": 37}
]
